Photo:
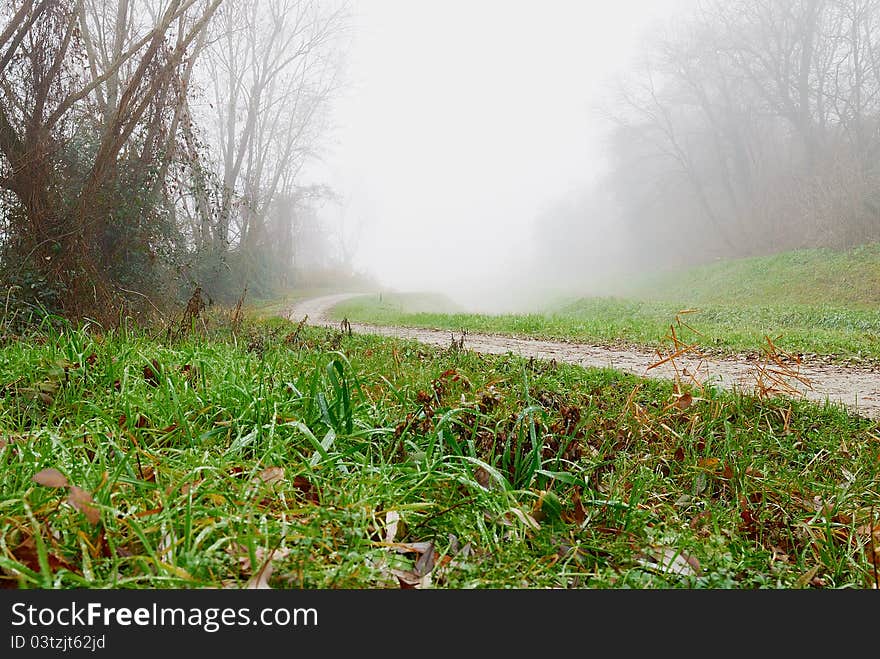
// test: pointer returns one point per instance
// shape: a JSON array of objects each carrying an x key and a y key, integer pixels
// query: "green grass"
[
  {"x": 811, "y": 301},
  {"x": 848, "y": 279},
  {"x": 205, "y": 455}
]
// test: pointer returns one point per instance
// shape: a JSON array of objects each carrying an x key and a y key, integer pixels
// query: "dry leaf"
[
  {"x": 525, "y": 518},
  {"x": 672, "y": 561},
  {"x": 272, "y": 475},
  {"x": 684, "y": 401},
  {"x": 151, "y": 373},
  {"x": 426, "y": 561},
  {"x": 709, "y": 463},
  {"x": 260, "y": 581},
  {"x": 309, "y": 491},
  {"x": 392, "y": 518},
  {"x": 483, "y": 477},
  {"x": 240, "y": 553},
  {"x": 411, "y": 547},
  {"x": 51, "y": 478},
  {"x": 26, "y": 554},
  {"x": 806, "y": 577},
  {"x": 410, "y": 579},
  {"x": 83, "y": 502}
]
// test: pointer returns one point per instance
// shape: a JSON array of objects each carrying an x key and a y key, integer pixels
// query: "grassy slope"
[
  {"x": 230, "y": 446},
  {"x": 848, "y": 279},
  {"x": 811, "y": 301}
]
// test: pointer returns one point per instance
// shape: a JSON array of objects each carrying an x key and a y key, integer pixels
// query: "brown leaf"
[
  {"x": 483, "y": 477},
  {"x": 51, "y": 478},
  {"x": 151, "y": 373},
  {"x": 684, "y": 401},
  {"x": 83, "y": 502},
  {"x": 412, "y": 547},
  {"x": 271, "y": 475},
  {"x": 578, "y": 515},
  {"x": 425, "y": 563},
  {"x": 26, "y": 554},
  {"x": 309, "y": 491},
  {"x": 411, "y": 579},
  {"x": 406, "y": 578},
  {"x": 260, "y": 580}
]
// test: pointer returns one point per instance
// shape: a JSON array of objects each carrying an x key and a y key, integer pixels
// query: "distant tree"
[
  {"x": 753, "y": 126},
  {"x": 272, "y": 66}
]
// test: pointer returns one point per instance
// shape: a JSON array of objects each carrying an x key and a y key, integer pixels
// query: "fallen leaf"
[
  {"x": 482, "y": 476},
  {"x": 309, "y": 491},
  {"x": 548, "y": 506},
  {"x": 684, "y": 401},
  {"x": 525, "y": 518},
  {"x": 83, "y": 502},
  {"x": 806, "y": 577},
  {"x": 260, "y": 581},
  {"x": 578, "y": 515},
  {"x": 425, "y": 563},
  {"x": 411, "y": 547},
  {"x": 50, "y": 478},
  {"x": 410, "y": 579},
  {"x": 26, "y": 554},
  {"x": 709, "y": 463},
  {"x": 241, "y": 554},
  {"x": 272, "y": 475},
  {"x": 392, "y": 519},
  {"x": 672, "y": 561},
  {"x": 151, "y": 373}
]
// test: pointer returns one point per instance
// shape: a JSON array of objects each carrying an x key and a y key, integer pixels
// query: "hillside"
[{"x": 805, "y": 301}]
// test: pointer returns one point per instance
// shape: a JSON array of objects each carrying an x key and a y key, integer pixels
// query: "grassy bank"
[
  {"x": 363, "y": 462},
  {"x": 812, "y": 301}
]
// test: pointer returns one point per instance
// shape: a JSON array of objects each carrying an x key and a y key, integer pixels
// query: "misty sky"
[{"x": 463, "y": 120}]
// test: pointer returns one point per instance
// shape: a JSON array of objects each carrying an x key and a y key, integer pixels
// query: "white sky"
[{"x": 463, "y": 120}]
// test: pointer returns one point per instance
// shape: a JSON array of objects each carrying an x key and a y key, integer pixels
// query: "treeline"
[
  {"x": 750, "y": 127},
  {"x": 149, "y": 146}
]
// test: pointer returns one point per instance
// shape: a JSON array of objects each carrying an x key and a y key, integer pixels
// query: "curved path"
[{"x": 857, "y": 388}]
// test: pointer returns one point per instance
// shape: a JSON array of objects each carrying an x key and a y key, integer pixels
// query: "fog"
[
  {"x": 463, "y": 126},
  {"x": 503, "y": 153}
]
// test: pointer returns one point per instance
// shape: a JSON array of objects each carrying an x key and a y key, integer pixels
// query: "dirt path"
[{"x": 858, "y": 388}]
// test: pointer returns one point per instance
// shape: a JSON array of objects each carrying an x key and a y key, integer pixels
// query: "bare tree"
[
  {"x": 273, "y": 66},
  {"x": 62, "y": 69}
]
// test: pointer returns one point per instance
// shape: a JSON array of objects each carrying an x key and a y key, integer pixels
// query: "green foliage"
[{"x": 204, "y": 455}]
